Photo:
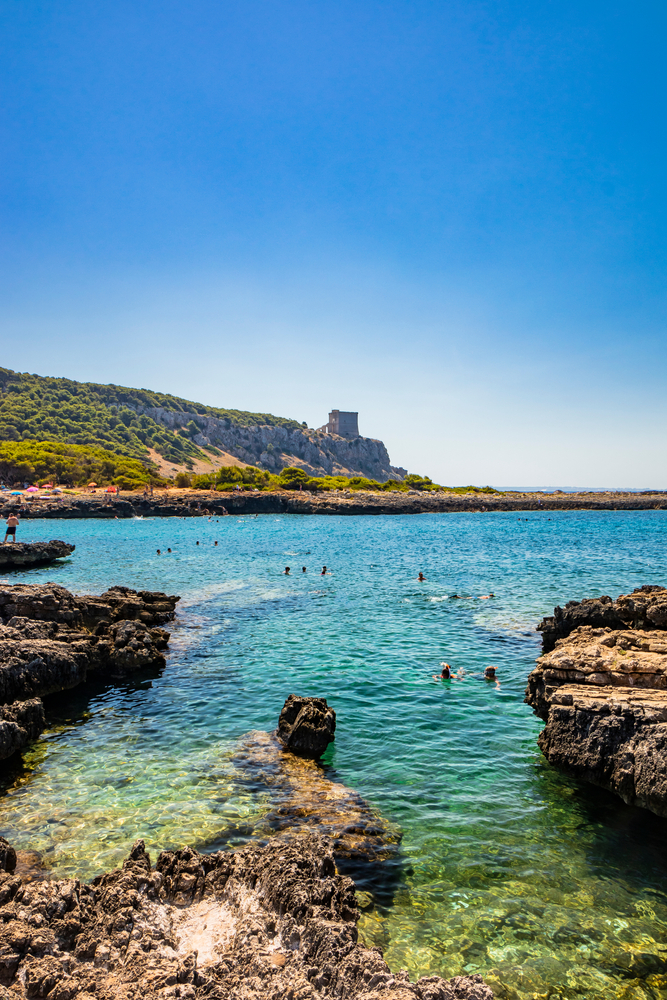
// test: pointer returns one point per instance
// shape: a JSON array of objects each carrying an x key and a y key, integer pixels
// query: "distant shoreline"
[{"x": 196, "y": 503}]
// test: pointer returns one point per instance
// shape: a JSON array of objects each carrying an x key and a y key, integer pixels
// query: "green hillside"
[
  {"x": 70, "y": 464},
  {"x": 58, "y": 409}
]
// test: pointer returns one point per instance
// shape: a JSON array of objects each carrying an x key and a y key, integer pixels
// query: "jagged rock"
[
  {"x": 614, "y": 737},
  {"x": 50, "y": 640},
  {"x": 20, "y": 724},
  {"x": 51, "y": 602},
  {"x": 25, "y": 554},
  {"x": 306, "y": 725},
  {"x": 261, "y": 923},
  {"x": 644, "y": 608}
]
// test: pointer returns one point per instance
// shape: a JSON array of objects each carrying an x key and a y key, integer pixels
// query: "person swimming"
[
  {"x": 158, "y": 552},
  {"x": 324, "y": 571},
  {"x": 286, "y": 570},
  {"x": 303, "y": 569},
  {"x": 445, "y": 673},
  {"x": 421, "y": 578},
  {"x": 486, "y": 597}
]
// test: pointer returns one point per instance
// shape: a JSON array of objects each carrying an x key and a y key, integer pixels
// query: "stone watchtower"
[{"x": 342, "y": 422}]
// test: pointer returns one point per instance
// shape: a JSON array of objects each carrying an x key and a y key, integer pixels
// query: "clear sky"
[{"x": 449, "y": 216}]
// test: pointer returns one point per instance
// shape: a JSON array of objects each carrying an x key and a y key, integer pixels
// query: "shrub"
[{"x": 71, "y": 464}]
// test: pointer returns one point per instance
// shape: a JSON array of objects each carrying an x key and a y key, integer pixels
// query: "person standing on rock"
[{"x": 12, "y": 525}]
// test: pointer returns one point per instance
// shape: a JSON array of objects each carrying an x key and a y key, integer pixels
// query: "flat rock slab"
[
  {"x": 20, "y": 555},
  {"x": 599, "y": 657},
  {"x": 259, "y": 923}
]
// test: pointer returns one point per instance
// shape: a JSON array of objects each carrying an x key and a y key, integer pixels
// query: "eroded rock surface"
[
  {"x": 26, "y": 554},
  {"x": 51, "y": 640},
  {"x": 600, "y": 657},
  {"x": 615, "y": 737},
  {"x": 644, "y": 608},
  {"x": 601, "y": 687},
  {"x": 306, "y": 725},
  {"x": 262, "y": 923}
]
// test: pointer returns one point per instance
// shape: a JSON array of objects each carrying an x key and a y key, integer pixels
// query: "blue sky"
[{"x": 448, "y": 216}]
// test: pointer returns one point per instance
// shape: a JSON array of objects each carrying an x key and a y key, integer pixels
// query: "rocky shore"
[
  {"x": 271, "y": 920},
  {"x": 601, "y": 687},
  {"x": 51, "y": 640},
  {"x": 196, "y": 503},
  {"x": 265, "y": 923},
  {"x": 23, "y": 555}
]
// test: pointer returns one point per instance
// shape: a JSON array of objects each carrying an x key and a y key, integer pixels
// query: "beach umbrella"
[
  {"x": 32, "y": 489},
  {"x": 16, "y": 493},
  {"x": 92, "y": 484},
  {"x": 56, "y": 489}
]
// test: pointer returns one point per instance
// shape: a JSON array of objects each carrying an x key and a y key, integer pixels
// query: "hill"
[{"x": 174, "y": 435}]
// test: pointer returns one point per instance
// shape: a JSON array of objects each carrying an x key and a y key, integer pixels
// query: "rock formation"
[
  {"x": 614, "y": 737},
  {"x": 25, "y": 554},
  {"x": 273, "y": 447},
  {"x": 301, "y": 796},
  {"x": 260, "y": 923},
  {"x": 601, "y": 687},
  {"x": 644, "y": 608},
  {"x": 51, "y": 640},
  {"x": 306, "y": 725}
]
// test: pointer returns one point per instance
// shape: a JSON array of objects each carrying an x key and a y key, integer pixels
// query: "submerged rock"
[
  {"x": 306, "y": 725},
  {"x": 302, "y": 796},
  {"x": 260, "y": 923},
  {"x": 51, "y": 640},
  {"x": 22, "y": 555}
]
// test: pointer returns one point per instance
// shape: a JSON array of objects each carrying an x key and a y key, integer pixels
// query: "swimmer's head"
[{"x": 490, "y": 673}]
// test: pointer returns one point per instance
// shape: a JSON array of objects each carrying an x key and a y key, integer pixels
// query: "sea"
[{"x": 546, "y": 886}]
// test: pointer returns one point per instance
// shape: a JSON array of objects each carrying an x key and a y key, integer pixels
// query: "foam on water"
[{"x": 547, "y": 887}]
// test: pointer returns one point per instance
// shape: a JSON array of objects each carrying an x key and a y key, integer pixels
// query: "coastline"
[{"x": 196, "y": 503}]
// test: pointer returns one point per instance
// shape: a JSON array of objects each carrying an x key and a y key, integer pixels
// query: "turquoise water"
[{"x": 547, "y": 887}]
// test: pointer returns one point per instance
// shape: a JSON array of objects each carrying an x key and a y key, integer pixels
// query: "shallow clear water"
[{"x": 547, "y": 887}]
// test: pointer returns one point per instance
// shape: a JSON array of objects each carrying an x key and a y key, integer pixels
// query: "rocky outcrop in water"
[
  {"x": 261, "y": 923},
  {"x": 306, "y": 725},
  {"x": 601, "y": 687},
  {"x": 51, "y": 640},
  {"x": 22, "y": 555},
  {"x": 613, "y": 737},
  {"x": 644, "y": 608}
]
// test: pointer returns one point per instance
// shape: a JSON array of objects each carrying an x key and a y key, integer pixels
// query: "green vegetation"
[
  {"x": 70, "y": 465},
  {"x": 293, "y": 478},
  {"x": 108, "y": 416}
]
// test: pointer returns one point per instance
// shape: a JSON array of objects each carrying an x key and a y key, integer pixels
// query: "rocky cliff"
[
  {"x": 275, "y": 447},
  {"x": 601, "y": 686}
]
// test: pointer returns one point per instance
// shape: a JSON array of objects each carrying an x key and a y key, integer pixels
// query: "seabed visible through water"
[{"x": 546, "y": 887}]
